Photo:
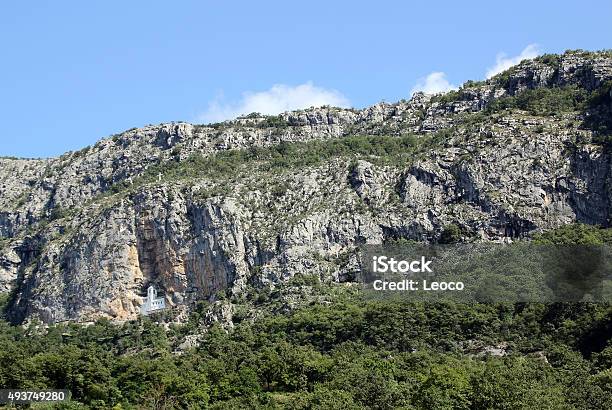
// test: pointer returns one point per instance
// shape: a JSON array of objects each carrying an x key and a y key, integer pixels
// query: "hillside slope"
[{"x": 200, "y": 209}]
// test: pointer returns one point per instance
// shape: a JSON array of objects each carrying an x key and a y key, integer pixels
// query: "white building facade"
[{"x": 152, "y": 303}]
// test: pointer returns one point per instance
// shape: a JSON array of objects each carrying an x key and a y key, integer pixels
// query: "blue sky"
[{"x": 72, "y": 72}]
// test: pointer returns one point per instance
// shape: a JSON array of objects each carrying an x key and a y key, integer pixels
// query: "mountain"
[{"x": 200, "y": 211}]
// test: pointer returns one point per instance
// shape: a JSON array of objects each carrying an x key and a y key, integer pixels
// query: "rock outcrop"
[{"x": 83, "y": 235}]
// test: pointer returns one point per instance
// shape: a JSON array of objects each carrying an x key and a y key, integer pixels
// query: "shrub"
[
  {"x": 551, "y": 60},
  {"x": 578, "y": 234},
  {"x": 599, "y": 109},
  {"x": 450, "y": 234},
  {"x": 273, "y": 121},
  {"x": 447, "y": 97},
  {"x": 542, "y": 101}
]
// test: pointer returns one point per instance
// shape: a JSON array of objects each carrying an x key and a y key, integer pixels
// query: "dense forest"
[{"x": 353, "y": 353}]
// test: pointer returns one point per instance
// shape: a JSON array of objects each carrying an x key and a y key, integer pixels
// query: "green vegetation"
[
  {"x": 286, "y": 155},
  {"x": 472, "y": 83},
  {"x": 445, "y": 98},
  {"x": 252, "y": 115},
  {"x": 579, "y": 234},
  {"x": 273, "y": 121},
  {"x": 599, "y": 111},
  {"x": 81, "y": 153},
  {"x": 346, "y": 353},
  {"x": 353, "y": 354},
  {"x": 551, "y": 60},
  {"x": 504, "y": 77},
  {"x": 59, "y": 213},
  {"x": 542, "y": 101},
  {"x": 605, "y": 53},
  {"x": 594, "y": 106},
  {"x": 450, "y": 234}
]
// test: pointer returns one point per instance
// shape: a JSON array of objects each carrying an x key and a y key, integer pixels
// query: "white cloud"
[
  {"x": 435, "y": 82},
  {"x": 277, "y": 99},
  {"x": 503, "y": 62}
]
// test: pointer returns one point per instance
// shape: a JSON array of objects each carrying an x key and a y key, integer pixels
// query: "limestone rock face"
[
  {"x": 366, "y": 183},
  {"x": 9, "y": 264},
  {"x": 82, "y": 236}
]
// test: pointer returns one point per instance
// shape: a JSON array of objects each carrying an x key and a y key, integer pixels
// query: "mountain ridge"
[{"x": 256, "y": 200}]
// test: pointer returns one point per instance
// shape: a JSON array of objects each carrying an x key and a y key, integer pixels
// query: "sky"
[{"x": 73, "y": 72}]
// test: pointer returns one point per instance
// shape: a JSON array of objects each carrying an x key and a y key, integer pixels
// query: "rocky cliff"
[{"x": 201, "y": 209}]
